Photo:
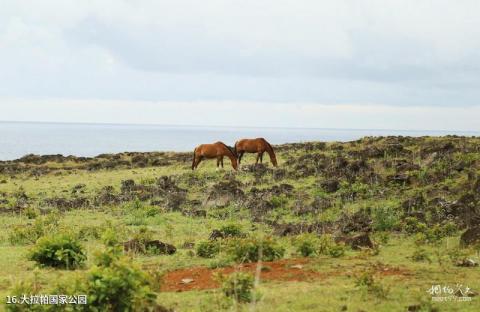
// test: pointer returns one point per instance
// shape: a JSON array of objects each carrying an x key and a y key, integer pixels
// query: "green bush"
[
  {"x": 366, "y": 280},
  {"x": 120, "y": 286},
  {"x": 420, "y": 254},
  {"x": 328, "y": 247},
  {"x": 232, "y": 230},
  {"x": 336, "y": 250},
  {"x": 411, "y": 225},
  {"x": 238, "y": 286},
  {"x": 208, "y": 249},
  {"x": 278, "y": 201},
  {"x": 254, "y": 249},
  {"x": 306, "y": 244},
  {"x": 385, "y": 219},
  {"x": 30, "y": 233},
  {"x": 58, "y": 251}
]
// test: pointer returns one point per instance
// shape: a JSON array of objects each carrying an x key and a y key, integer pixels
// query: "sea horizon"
[{"x": 19, "y": 138}]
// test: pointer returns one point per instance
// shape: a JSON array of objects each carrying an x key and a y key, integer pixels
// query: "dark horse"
[
  {"x": 259, "y": 146},
  {"x": 216, "y": 150}
]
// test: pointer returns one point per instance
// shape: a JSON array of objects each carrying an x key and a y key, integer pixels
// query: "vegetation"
[{"x": 365, "y": 225}]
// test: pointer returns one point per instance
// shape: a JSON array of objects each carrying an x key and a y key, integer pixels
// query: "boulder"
[
  {"x": 330, "y": 186},
  {"x": 470, "y": 236}
]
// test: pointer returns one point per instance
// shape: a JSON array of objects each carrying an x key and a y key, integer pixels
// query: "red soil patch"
[
  {"x": 283, "y": 270},
  {"x": 203, "y": 278}
]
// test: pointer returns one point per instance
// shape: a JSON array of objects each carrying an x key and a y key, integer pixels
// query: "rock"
[
  {"x": 216, "y": 234},
  {"x": 127, "y": 185},
  {"x": 188, "y": 245},
  {"x": 135, "y": 245},
  {"x": 414, "y": 308},
  {"x": 360, "y": 241},
  {"x": 186, "y": 280},
  {"x": 470, "y": 236},
  {"x": 330, "y": 186},
  {"x": 223, "y": 193},
  {"x": 466, "y": 263},
  {"x": 358, "y": 222},
  {"x": 279, "y": 174},
  {"x": 297, "y": 266},
  {"x": 286, "y": 229}
]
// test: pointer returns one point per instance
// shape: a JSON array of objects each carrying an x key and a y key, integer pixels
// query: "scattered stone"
[
  {"x": 186, "y": 280},
  {"x": 135, "y": 245},
  {"x": 467, "y": 263}
]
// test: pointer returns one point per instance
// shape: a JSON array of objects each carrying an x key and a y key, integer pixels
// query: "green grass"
[{"x": 334, "y": 290}]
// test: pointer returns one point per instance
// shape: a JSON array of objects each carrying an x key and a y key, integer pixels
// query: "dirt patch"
[{"x": 200, "y": 278}]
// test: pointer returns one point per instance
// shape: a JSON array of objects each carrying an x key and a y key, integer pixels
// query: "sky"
[{"x": 327, "y": 64}]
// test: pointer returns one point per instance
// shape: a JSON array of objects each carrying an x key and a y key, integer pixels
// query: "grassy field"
[{"x": 411, "y": 197}]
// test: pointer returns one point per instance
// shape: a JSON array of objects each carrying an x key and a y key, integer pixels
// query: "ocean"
[{"x": 20, "y": 138}]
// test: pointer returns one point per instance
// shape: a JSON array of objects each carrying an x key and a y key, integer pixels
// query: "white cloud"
[{"x": 392, "y": 53}]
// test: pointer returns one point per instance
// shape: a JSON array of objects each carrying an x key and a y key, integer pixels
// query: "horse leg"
[
  {"x": 258, "y": 156},
  {"x": 197, "y": 161},
  {"x": 261, "y": 157},
  {"x": 221, "y": 162},
  {"x": 240, "y": 155}
]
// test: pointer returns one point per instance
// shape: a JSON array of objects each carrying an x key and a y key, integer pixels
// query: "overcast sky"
[{"x": 299, "y": 63}]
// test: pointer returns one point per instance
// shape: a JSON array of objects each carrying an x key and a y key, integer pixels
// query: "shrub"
[
  {"x": 306, "y": 244},
  {"x": 278, "y": 201},
  {"x": 336, "y": 251},
  {"x": 366, "y": 280},
  {"x": 30, "y": 233},
  {"x": 328, "y": 247},
  {"x": 412, "y": 225},
  {"x": 385, "y": 219},
  {"x": 324, "y": 244},
  {"x": 208, "y": 249},
  {"x": 58, "y": 251},
  {"x": 232, "y": 230},
  {"x": 120, "y": 286},
  {"x": 420, "y": 254},
  {"x": 238, "y": 286},
  {"x": 254, "y": 249},
  {"x": 382, "y": 237}
]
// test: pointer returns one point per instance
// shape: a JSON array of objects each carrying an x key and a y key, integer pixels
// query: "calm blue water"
[{"x": 20, "y": 138}]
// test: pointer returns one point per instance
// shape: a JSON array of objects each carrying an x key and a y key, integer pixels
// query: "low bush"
[
  {"x": 30, "y": 233},
  {"x": 328, "y": 247},
  {"x": 366, "y": 280},
  {"x": 254, "y": 249},
  {"x": 238, "y": 286},
  {"x": 385, "y": 219},
  {"x": 208, "y": 249},
  {"x": 420, "y": 254},
  {"x": 306, "y": 244},
  {"x": 411, "y": 225},
  {"x": 232, "y": 230},
  {"x": 58, "y": 251},
  {"x": 120, "y": 286}
]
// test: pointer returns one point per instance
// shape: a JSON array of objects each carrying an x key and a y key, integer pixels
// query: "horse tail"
[{"x": 193, "y": 161}]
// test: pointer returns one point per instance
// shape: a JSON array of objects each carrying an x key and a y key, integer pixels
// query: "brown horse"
[
  {"x": 259, "y": 146},
  {"x": 216, "y": 150}
]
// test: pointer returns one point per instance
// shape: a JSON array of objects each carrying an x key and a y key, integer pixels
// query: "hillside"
[{"x": 368, "y": 225}]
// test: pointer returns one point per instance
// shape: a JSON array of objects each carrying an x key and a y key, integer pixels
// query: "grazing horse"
[
  {"x": 259, "y": 146},
  {"x": 216, "y": 150}
]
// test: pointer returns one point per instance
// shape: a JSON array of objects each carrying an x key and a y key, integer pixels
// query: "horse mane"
[
  {"x": 229, "y": 149},
  {"x": 268, "y": 144}
]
